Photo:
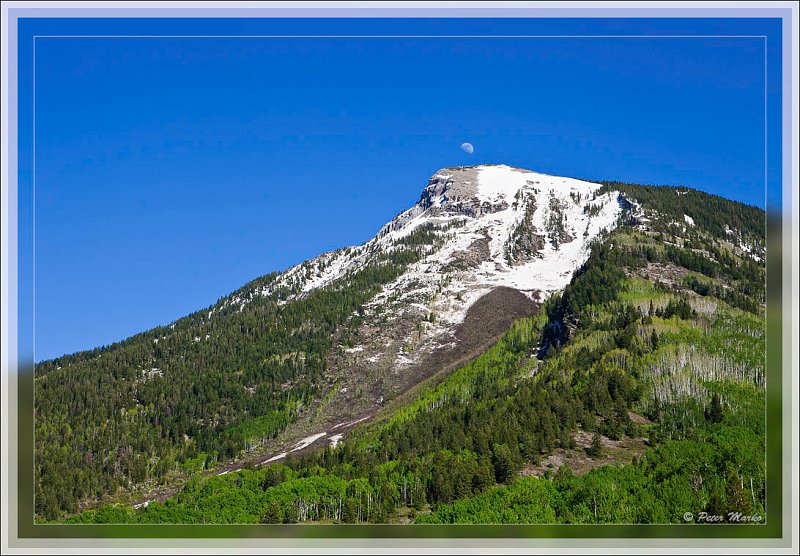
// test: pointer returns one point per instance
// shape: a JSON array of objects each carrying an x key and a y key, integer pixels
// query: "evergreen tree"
[
  {"x": 291, "y": 514},
  {"x": 714, "y": 413},
  {"x": 273, "y": 513},
  {"x": 738, "y": 501},
  {"x": 506, "y": 464},
  {"x": 595, "y": 450},
  {"x": 349, "y": 511}
]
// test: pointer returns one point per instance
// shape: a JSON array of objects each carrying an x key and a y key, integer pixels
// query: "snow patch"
[
  {"x": 335, "y": 440},
  {"x": 274, "y": 458},
  {"x": 308, "y": 441},
  {"x": 350, "y": 423}
]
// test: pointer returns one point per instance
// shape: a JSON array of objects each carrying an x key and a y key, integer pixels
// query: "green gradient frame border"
[{"x": 776, "y": 533}]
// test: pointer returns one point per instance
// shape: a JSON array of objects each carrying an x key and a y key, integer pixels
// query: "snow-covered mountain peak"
[
  {"x": 499, "y": 226},
  {"x": 504, "y": 226}
]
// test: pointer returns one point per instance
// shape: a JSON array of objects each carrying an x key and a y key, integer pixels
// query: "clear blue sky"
[{"x": 169, "y": 172}]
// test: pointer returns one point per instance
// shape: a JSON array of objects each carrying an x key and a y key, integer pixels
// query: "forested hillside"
[
  {"x": 658, "y": 339},
  {"x": 175, "y": 400}
]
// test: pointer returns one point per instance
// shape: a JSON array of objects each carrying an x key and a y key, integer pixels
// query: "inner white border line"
[{"x": 764, "y": 37}]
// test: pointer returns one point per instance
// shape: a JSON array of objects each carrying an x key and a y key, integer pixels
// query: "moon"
[{"x": 467, "y": 148}]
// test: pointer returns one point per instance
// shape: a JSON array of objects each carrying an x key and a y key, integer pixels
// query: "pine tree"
[
  {"x": 714, "y": 413},
  {"x": 506, "y": 464},
  {"x": 291, "y": 514},
  {"x": 716, "y": 505},
  {"x": 596, "y": 449},
  {"x": 737, "y": 497},
  {"x": 349, "y": 511},
  {"x": 273, "y": 513}
]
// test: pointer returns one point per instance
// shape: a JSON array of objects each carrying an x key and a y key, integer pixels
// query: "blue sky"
[{"x": 171, "y": 171}]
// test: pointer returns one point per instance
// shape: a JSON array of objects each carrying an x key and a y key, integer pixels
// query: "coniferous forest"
[{"x": 633, "y": 396}]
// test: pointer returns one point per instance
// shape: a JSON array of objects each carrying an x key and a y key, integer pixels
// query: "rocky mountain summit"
[{"x": 496, "y": 226}]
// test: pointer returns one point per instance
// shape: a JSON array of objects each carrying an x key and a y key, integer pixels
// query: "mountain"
[
  {"x": 492, "y": 243},
  {"x": 499, "y": 284}
]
